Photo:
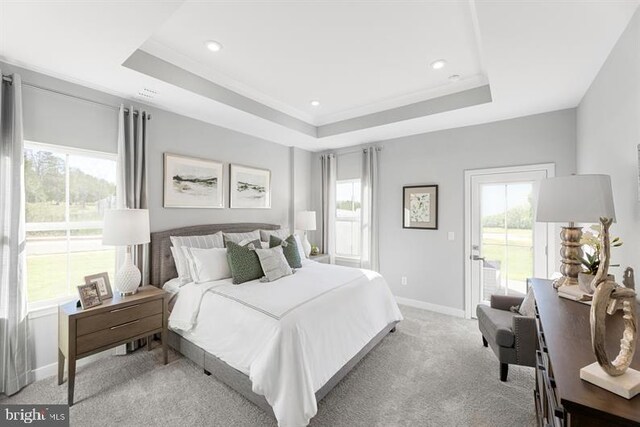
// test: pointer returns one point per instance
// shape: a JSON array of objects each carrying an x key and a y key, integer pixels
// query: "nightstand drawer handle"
[
  {"x": 124, "y": 324},
  {"x": 125, "y": 308}
]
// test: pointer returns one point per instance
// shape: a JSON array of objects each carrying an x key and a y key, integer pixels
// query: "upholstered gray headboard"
[{"x": 163, "y": 268}]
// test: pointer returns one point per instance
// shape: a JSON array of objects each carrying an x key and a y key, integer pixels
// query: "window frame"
[
  {"x": 67, "y": 225},
  {"x": 351, "y": 219}
]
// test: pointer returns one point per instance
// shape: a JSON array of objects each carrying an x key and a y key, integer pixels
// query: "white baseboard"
[
  {"x": 52, "y": 369},
  {"x": 443, "y": 309}
]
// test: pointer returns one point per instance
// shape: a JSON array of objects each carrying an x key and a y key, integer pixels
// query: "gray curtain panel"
[
  {"x": 370, "y": 209},
  {"x": 328, "y": 170},
  {"x": 15, "y": 349},
  {"x": 132, "y": 174}
]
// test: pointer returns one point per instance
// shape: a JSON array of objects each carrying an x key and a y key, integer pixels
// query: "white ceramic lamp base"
[
  {"x": 128, "y": 277},
  {"x": 626, "y": 385},
  {"x": 306, "y": 245}
]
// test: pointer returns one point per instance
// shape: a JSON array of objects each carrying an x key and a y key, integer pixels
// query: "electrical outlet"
[
  {"x": 451, "y": 235},
  {"x": 404, "y": 280}
]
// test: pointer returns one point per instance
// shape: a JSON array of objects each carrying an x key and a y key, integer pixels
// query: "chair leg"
[
  {"x": 484, "y": 342},
  {"x": 504, "y": 371}
]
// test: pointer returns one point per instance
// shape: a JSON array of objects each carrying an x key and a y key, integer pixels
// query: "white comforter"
[{"x": 289, "y": 336}]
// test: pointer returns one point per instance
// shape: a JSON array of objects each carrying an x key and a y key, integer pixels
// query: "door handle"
[{"x": 477, "y": 258}]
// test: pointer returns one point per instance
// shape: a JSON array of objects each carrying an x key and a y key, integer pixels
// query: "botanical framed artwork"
[
  {"x": 190, "y": 182},
  {"x": 420, "y": 207},
  {"x": 249, "y": 187},
  {"x": 102, "y": 282},
  {"x": 89, "y": 296}
]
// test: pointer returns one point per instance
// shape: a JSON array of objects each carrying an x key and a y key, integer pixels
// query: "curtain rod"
[
  {"x": 9, "y": 80},
  {"x": 360, "y": 150}
]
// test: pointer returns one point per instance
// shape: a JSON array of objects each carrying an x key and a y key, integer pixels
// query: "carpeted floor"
[{"x": 433, "y": 371}]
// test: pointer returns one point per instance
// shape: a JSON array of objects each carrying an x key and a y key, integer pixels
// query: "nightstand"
[
  {"x": 322, "y": 258},
  {"x": 116, "y": 321}
]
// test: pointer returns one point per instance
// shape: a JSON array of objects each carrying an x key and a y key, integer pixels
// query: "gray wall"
[
  {"x": 434, "y": 266},
  {"x": 608, "y": 123}
]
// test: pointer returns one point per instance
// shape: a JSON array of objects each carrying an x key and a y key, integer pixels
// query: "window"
[
  {"x": 67, "y": 193},
  {"x": 348, "y": 218}
]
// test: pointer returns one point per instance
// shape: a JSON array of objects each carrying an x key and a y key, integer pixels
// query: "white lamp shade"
[
  {"x": 306, "y": 220},
  {"x": 575, "y": 198},
  {"x": 124, "y": 227}
]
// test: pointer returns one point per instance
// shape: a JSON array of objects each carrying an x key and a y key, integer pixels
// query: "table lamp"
[
  {"x": 571, "y": 199},
  {"x": 126, "y": 227},
  {"x": 306, "y": 221}
]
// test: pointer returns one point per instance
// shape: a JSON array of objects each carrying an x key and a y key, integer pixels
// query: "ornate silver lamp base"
[{"x": 571, "y": 252}]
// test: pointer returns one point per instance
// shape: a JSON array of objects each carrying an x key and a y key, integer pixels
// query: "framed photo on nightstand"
[
  {"x": 102, "y": 282},
  {"x": 89, "y": 296}
]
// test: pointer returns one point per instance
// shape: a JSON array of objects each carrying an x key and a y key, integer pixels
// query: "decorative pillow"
[
  {"x": 300, "y": 247},
  {"x": 289, "y": 248},
  {"x": 208, "y": 264},
  {"x": 273, "y": 263},
  {"x": 184, "y": 275},
  {"x": 179, "y": 256},
  {"x": 282, "y": 233},
  {"x": 239, "y": 237},
  {"x": 527, "y": 307},
  {"x": 244, "y": 262}
]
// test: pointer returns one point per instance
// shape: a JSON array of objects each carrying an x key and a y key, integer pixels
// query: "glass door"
[{"x": 506, "y": 246}]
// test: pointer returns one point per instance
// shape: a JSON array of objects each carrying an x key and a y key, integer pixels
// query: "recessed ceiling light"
[
  {"x": 440, "y": 63},
  {"x": 454, "y": 77},
  {"x": 315, "y": 103},
  {"x": 213, "y": 45}
]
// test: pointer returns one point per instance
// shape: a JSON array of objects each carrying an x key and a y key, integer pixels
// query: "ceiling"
[{"x": 367, "y": 62}]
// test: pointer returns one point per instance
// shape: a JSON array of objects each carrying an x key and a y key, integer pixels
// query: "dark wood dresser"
[{"x": 564, "y": 339}]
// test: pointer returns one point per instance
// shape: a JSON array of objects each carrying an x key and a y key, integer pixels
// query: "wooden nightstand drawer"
[
  {"x": 116, "y": 333},
  {"x": 118, "y": 316}
]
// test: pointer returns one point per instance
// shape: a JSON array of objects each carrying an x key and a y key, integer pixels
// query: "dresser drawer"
[
  {"x": 118, "y": 316},
  {"x": 113, "y": 334}
]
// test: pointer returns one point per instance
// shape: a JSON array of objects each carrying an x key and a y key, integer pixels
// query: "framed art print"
[
  {"x": 191, "y": 182},
  {"x": 249, "y": 187},
  {"x": 420, "y": 207}
]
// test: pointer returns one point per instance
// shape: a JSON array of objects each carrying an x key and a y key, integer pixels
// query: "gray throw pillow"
[
  {"x": 273, "y": 263},
  {"x": 239, "y": 237},
  {"x": 289, "y": 248},
  {"x": 280, "y": 234},
  {"x": 244, "y": 262},
  {"x": 528, "y": 305}
]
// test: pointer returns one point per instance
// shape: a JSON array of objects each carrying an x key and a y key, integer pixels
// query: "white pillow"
[
  {"x": 207, "y": 265},
  {"x": 281, "y": 234},
  {"x": 182, "y": 266},
  {"x": 238, "y": 237},
  {"x": 300, "y": 248},
  {"x": 203, "y": 242}
]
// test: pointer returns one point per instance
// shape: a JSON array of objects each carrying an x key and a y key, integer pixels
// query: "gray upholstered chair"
[{"x": 512, "y": 337}]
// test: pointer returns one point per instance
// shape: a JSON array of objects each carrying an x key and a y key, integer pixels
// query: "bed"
[{"x": 285, "y": 344}]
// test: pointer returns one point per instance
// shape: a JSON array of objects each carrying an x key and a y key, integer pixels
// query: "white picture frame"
[
  {"x": 192, "y": 182},
  {"x": 249, "y": 187}
]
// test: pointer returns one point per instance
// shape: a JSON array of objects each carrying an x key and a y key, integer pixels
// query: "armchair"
[{"x": 512, "y": 337}]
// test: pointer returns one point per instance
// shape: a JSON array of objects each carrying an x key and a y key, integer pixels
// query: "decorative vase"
[{"x": 585, "y": 282}]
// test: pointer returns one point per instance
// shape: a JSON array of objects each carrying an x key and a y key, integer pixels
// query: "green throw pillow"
[
  {"x": 244, "y": 262},
  {"x": 290, "y": 249}
]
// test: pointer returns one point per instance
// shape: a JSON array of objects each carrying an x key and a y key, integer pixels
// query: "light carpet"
[{"x": 433, "y": 371}]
